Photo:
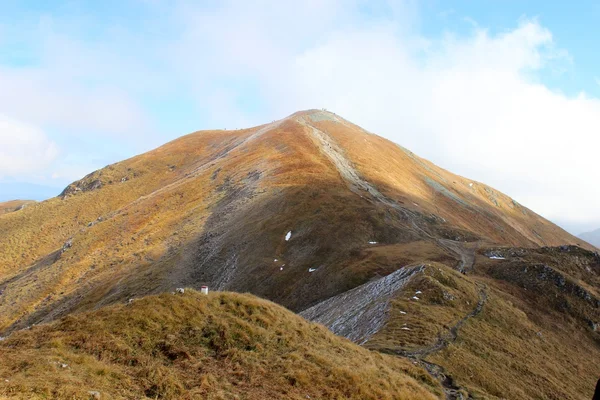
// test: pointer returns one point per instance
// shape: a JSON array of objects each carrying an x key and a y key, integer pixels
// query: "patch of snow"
[
  {"x": 471, "y": 184},
  {"x": 312, "y": 269},
  {"x": 372, "y": 242},
  {"x": 281, "y": 268},
  {"x": 403, "y": 312},
  {"x": 415, "y": 298},
  {"x": 497, "y": 258},
  {"x": 288, "y": 236},
  {"x": 404, "y": 328},
  {"x": 418, "y": 292},
  {"x": 275, "y": 260}
]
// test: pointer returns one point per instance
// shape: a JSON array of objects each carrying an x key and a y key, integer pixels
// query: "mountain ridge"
[{"x": 309, "y": 209}]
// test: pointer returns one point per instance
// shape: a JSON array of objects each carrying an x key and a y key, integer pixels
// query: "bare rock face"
[{"x": 359, "y": 313}]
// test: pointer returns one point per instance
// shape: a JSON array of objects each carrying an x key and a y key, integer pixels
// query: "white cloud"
[
  {"x": 24, "y": 148},
  {"x": 473, "y": 104}
]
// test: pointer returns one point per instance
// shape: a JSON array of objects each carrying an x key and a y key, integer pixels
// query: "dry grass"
[
  {"x": 531, "y": 340},
  {"x": 504, "y": 354},
  {"x": 153, "y": 209},
  {"x": 14, "y": 205},
  {"x": 446, "y": 296},
  {"x": 221, "y": 346}
]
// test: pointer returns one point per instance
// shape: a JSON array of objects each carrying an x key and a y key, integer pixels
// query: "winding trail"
[
  {"x": 451, "y": 388},
  {"x": 466, "y": 255}
]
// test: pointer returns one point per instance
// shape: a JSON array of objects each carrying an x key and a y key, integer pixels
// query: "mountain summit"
[{"x": 310, "y": 211}]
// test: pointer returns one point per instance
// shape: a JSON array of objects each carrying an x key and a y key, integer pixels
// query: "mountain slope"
[
  {"x": 14, "y": 205},
  {"x": 524, "y": 324},
  {"x": 214, "y": 208},
  {"x": 591, "y": 237},
  {"x": 221, "y": 346},
  {"x": 338, "y": 224}
]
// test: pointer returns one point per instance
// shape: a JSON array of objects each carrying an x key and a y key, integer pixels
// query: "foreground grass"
[{"x": 221, "y": 346}]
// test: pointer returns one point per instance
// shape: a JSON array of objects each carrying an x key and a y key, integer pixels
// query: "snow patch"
[
  {"x": 312, "y": 269},
  {"x": 372, "y": 242},
  {"x": 403, "y": 312},
  {"x": 404, "y": 328},
  {"x": 275, "y": 260},
  {"x": 418, "y": 292},
  {"x": 288, "y": 236},
  {"x": 497, "y": 258},
  {"x": 415, "y": 298}
]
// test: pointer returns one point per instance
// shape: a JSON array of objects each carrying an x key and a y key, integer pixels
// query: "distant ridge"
[{"x": 592, "y": 237}]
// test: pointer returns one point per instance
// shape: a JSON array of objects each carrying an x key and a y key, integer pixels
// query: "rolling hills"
[{"x": 338, "y": 224}]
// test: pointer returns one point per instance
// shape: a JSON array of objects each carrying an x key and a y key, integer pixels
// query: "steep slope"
[
  {"x": 221, "y": 346},
  {"x": 592, "y": 237},
  {"x": 215, "y": 208},
  {"x": 14, "y": 205},
  {"x": 334, "y": 222}
]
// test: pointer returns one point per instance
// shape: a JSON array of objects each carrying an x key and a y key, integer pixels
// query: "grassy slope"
[
  {"x": 13, "y": 205},
  {"x": 155, "y": 221},
  {"x": 423, "y": 186},
  {"x": 221, "y": 346},
  {"x": 532, "y": 339}
]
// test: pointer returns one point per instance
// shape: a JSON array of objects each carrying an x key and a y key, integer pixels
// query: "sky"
[{"x": 503, "y": 92}]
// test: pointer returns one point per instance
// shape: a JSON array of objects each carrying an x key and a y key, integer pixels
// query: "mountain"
[
  {"x": 338, "y": 224},
  {"x": 591, "y": 237},
  {"x": 14, "y": 205},
  {"x": 221, "y": 346}
]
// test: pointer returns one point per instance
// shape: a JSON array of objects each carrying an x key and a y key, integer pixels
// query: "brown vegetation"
[{"x": 221, "y": 346}]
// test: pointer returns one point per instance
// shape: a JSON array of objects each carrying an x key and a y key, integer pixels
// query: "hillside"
[
  {"x": 592, "y": 237},
  {"x": 522, "y": 324},
  {"x": 221, "y": 346},
  {"x": 214, "y": 208},
  {"x": 14, "y": 205},
  {"x": 338, "y": 224}
]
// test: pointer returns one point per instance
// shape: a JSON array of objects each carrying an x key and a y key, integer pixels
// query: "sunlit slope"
[
  {"x": 14, "y": 205},
  {"x": 184, "y": 346},
  {"x": 215, "y": 207}
]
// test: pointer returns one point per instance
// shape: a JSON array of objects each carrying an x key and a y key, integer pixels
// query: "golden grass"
[
  {"x": 221, "y": 346},
  {"x": 446, "y": 296},
  {"x": 518, "y": 347}
]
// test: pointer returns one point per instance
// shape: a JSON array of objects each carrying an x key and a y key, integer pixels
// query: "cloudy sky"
[{"x": 502, "y": 92}]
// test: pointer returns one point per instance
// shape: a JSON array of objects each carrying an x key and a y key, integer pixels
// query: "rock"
[
  {"x": 94, "y": 394},
  {"x": 448, "y": 296},
  {"x": 180, "y": 290},
  {"x": 68, "y": 244}
]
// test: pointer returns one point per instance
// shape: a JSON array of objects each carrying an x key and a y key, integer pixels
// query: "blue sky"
[{"x": 504, "y": 92}]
